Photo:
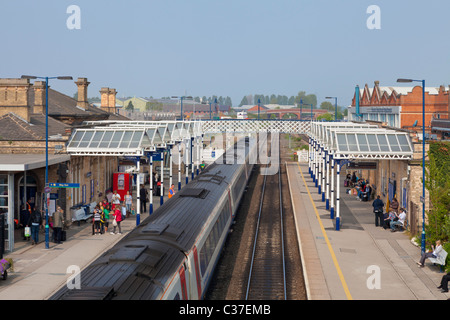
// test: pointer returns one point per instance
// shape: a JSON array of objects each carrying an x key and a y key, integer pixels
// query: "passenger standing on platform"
[
  {"x": 117, "y": 219},
  {"x": 58, "y": 223},
  {"x": 171, "y": 191},
  {"x": 143, "y": 198},
  {"x": 96, "y": 220},
  {"x": 128, "y": 201},
  {"x": 35, "y": 222},
  {"x": 378, "y": 205},
  {"x": 24, "y": 220},
  {"x": 106, "y": 217},
  {"x": 354, "y": 179},
  {"x": 116, "y": 198}
]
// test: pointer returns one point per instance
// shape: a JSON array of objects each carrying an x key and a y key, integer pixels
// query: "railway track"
[
  {"x": 267, "y": 276},
  {"x": 231, "y": 277}
]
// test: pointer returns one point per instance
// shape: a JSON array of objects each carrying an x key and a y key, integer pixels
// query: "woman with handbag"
[{"x": 117, "y": 216}]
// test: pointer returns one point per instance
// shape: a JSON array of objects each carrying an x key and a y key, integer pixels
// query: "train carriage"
[{"x": 172, "y": 253}]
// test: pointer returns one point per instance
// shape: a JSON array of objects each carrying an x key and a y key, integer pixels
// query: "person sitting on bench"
[
  {"x": 400, "y": 221},
  {"x": 434, "y": 254}
]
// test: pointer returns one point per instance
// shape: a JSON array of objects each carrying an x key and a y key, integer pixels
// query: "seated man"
[
  {"x": 366, "y": 194},
  {"x": 400, "y": 221},
  {"x": 388, "y": 218}
]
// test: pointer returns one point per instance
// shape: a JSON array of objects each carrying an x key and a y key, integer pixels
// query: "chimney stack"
[
  {"x": 108, "y": 100},
  {"x": 39, "y": 97},
  {"x": 104, "y": 96},
  {"x": 112, "y": 100},
  {"x": 14, "y": 97},
  {"x": 82, "y": 85}
]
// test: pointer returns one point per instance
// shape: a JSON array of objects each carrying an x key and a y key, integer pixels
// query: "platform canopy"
[
  {"x": 128, "y": 138},
  {"x": 363, "y": 141}
]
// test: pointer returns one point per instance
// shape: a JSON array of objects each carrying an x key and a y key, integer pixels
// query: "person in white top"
[
  {"x": 400, "y": 221},
  {"x": 434, "y": 254},
  {"x": 116, "y": 198}
]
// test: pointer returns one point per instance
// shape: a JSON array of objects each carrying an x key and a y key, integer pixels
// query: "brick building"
[
  {"x": 22, "y": 147},
  {"x": 400, "y": 107}
]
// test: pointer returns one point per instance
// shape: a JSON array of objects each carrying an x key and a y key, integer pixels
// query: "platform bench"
[{"x": 440, "y": 260}]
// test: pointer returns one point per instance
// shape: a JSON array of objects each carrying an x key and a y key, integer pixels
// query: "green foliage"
[
  {"x": 446, "y": 247},
  {"x": 437, "y": 182},
  {"x": 130, "y": 106},
  {"x": 326, "y": 117}
]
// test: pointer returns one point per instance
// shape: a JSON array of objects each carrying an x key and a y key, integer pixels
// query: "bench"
[
  {"x": 440, "y": 259},
  {"x": 402, "y": 227}
]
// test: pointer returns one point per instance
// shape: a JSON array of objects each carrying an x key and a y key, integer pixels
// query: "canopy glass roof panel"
[
  {"x": 104, "y": 140},
  {"x": 381, "y": 143}
]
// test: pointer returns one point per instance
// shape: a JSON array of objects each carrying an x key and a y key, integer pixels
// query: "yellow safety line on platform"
[{"x": 333, "y": 256}]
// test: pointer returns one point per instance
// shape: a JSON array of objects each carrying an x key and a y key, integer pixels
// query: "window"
[
  {"x": 4, "y": 191},
  {"x": 210, "y": 245}
]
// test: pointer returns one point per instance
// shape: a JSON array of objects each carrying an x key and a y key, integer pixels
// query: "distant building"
[
  {"x": 22, "y": 148},
  {"x": 400, "y": 107}
]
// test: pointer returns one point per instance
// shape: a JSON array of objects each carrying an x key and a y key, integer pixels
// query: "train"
[{"x": 172, "y": 254}]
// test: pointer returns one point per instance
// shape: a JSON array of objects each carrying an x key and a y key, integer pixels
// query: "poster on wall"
[{"x": 121, "y": 181}]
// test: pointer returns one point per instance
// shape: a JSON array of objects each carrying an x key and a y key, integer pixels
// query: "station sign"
[{"x": 64, "y": 185}]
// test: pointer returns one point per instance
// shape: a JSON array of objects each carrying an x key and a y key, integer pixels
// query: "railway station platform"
[
  {"x": 40, "y": 272},
  {"x": 360, "y": 261}
]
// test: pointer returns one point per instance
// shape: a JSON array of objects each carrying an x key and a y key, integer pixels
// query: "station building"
[
  {"x": 399, "y": 178},
  {"x": 400, "y": 107},
  {"x": 22, "y": 148}
]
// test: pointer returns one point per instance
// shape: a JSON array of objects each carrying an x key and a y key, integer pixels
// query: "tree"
[
  {"x": 244, "y": 101},
  {"x": 129, "y": 106},
  {"x": 326, "y": 117},
  {"x": 306, "y": 99},
  {"x": 327, "y": 106},
  {"x": 437, "y": 182}
]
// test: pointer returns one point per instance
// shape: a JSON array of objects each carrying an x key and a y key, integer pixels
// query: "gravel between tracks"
[{"x": 229, "y": 281}]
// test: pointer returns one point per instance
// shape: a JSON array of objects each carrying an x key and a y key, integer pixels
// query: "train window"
[
  {"x": 239, "y": 185},
  {"x": 210, "y": 245}
]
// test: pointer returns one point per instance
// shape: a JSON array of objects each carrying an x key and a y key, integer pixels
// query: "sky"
[{"x": 226, "y": 47}]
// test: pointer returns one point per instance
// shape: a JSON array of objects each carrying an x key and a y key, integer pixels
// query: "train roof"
[{"x": 140, "y": 264}]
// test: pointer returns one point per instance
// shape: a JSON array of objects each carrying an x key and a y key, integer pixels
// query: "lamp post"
[
  {"x": 259, "y": 106},
  {"x": 210, "y": 110},
  {"x": 423, "y": 155},
  {"x": 46, "y": 147},
  {"x": 181, "y": 103},
  {"x": 335, "y": 106}
]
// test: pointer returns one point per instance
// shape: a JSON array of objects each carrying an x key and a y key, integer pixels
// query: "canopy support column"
[
  {"x": 338, "y": 207},
  {"x": 138, "y": 198},
  {"x": 327, "y": 196},
  {"x": 179, "y": 166},
  {"x": 151, "y": 183},
  {"x": 161, "y": 202},
  {"x": 332, "y": 189}
]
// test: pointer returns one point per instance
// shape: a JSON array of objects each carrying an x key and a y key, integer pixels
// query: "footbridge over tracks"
[{"x": 331, "y": 144}]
